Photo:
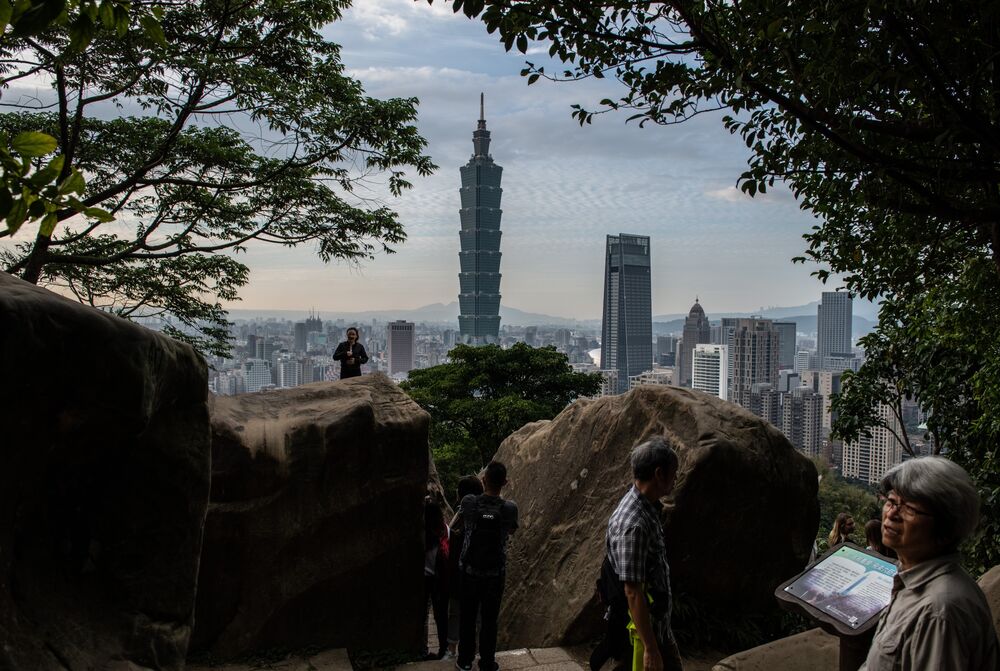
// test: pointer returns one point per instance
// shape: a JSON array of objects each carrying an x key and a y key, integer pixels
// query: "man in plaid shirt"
[{"x": 637, "y": 551}]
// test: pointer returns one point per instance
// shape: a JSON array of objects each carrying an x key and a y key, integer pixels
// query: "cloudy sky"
[{"x": 564, "y": 189}]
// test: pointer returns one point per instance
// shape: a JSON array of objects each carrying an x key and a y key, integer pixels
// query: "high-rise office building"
[
  {"x": 754, "y": 358},
  {"x": 870, "y": 456},
  {"x": 826, "y": 383},
  {"x": 801, "y": 420},
  {"x": 289, "y": 371},
  {"x": 765, "y": 402},
  {"x": 300, "y": 336},
  {"x": 627, "y": 325},
  {"x": 833, "y": 325},
  {"x": 786, "y": 344},
  {"x": 697, "y": 331},
  {"x": 709, "y": 369},
  {"x": 479, "y": 279},
  {"x": 401, "y": 350},
  {"x": 666, "y": 346},
  {"x": 256, "y": 373}
]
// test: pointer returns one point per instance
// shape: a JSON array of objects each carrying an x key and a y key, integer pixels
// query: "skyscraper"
[
  {"x": 874, "y": 453},
  {"x": 786, "y": 346},
  {"x": 627, "y": 326},
  {"x": 479, "y": 279},
  {"x": 710, "y": 369},
  {"x": 833, "y": 325},
  {"x": 401, "y": 347},
  {"x": 801, "y": 420},
  {"x": 696, "y": 332},
  {"x": 754, "y": 358}
]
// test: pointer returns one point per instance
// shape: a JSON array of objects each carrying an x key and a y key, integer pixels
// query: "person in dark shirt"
[
  {"x": 351, "y": 354},
  {"x": 487, "y": 521}
]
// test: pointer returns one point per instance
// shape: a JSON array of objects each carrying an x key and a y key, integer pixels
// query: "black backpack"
[
  {"x": 485, "y": 529},
  {"x": 610, "y": 589}
]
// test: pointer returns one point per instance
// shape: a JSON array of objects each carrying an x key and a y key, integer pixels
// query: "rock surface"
[
  {"x": 814, "y": 650},
  {"x": 314, "y": 535},
  {"x": 104, "y": 479},
  {"x": 741, "y": 520},
  {"x": 989, "y": 582}
]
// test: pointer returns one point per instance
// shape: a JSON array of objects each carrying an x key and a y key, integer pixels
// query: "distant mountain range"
[
  {"x": 435, "y": 313},
  {"x": 804, "y": 316}
]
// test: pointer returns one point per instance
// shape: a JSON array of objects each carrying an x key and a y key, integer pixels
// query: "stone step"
[{"x": 523, "y": 659}]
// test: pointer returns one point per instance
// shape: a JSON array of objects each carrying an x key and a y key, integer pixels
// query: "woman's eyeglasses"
[{"x": 906, "y": 510}]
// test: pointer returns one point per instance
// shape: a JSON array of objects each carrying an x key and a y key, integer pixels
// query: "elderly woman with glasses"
[{"x": 938, "y": 617}]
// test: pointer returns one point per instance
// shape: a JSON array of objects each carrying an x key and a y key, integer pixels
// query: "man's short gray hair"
[
  {"x": 657, "y": 452},
  {"x": 945, "y": 489}
]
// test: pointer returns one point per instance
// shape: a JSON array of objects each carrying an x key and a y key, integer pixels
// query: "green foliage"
[
  {"x": 837, "y": 495},
  {"x": 486, "y": 393},
  {"x": 252, "y": 133},
  {"x": 881, "y": 117},
  {"x": 33, "y": 190}
]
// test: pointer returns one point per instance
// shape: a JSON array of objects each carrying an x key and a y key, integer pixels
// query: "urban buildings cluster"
[
  {"x": 769, "y": 367},
  {"x": 763, "y": 365}
]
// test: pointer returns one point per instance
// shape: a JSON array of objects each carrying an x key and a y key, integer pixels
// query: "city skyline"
[{"x": 568, "y": 186}]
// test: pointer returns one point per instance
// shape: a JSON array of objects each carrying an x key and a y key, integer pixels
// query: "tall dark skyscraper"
[
  {"x": 479, "y": 279},
  {"x": 627, "y": 327}
]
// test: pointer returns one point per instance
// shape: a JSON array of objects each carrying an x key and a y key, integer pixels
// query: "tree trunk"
[{"x": 36, "y": 261}]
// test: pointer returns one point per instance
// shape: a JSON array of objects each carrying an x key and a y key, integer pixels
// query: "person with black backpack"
[{"x": 488, "y": 521}]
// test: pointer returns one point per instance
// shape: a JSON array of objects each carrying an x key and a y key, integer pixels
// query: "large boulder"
[
  {"x": 741, "y": 520},
  {"x": 314, "y": 535},
  {"x": 989, "y": 582},
  {"x": 104, "y": 479}
]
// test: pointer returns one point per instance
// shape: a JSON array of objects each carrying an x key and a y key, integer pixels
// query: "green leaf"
[
  {"x": 18, "y": 213},
  {"x": 48, "y": 225},
  {"x": 107, "y": 14},
  {"x": 6, "y": 10},
  {"x": 34, "y": 144},
  {"x": 72, "y": 184},
  {"x": 153, "y": 30},
  {"x": 99, "y": 214}
]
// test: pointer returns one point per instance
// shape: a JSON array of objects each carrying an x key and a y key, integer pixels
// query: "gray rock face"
[
  {"x": 741, "y": 520},
  {"x": 104, "y": 479},
  {"x": 989, "y": 582},
  {"x": 314, "y": 535}
]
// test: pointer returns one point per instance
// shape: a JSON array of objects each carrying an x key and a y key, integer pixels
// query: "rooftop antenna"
[{"x": 482, "y": 107}]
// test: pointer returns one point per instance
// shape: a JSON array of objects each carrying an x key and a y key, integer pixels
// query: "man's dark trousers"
[{"x": 480, "y": 594}]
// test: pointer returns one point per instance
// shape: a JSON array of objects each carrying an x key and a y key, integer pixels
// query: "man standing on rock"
[
  {"x": 637, "y": 552},
  {"x": 487, "y": 521}
]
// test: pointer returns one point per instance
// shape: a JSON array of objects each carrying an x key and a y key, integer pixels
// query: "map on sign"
[{"x": 850, "y": 586}]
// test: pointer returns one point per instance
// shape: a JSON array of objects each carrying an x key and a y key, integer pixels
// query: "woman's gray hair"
[
  {"x": 945, "y": 489},
  {"x": 655, "y": 453}
]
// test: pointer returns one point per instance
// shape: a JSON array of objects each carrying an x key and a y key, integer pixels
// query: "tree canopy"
[
  {"x": 224, "y": 123},
  {"x": 486, "y": 393},
  {"x": 882, "y": 118}
]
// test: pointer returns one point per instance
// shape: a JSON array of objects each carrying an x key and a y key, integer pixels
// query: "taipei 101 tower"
[{"x": 479, "y": 279}]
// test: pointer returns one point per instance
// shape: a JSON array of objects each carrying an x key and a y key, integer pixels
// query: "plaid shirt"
[{"x": 637, "y": 550}]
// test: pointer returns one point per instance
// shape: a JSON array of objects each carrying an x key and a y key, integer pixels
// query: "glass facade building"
[
  {"x": 479, "y": 258},
  {"x": 627, "y": 325}
]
